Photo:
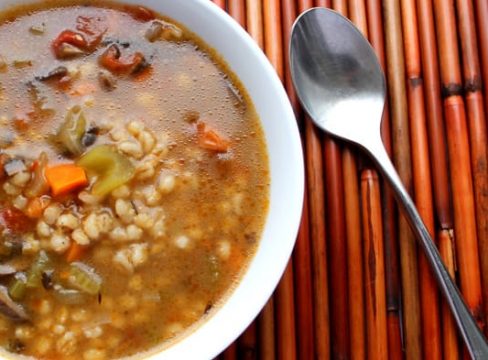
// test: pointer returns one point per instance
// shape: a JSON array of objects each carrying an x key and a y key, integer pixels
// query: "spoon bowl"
[
  {"x": 341, "y": 85},
  {"x": 345, "y": 94}
]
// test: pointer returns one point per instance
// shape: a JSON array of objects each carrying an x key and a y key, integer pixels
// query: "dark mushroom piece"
[
  {"x": 10, "y": 308},
  {"x": 110, "y": 41},
  {"x": 56, "y": 73},
  {"x": 47, "y": 279},
  {"x": 90, "y": 137}
]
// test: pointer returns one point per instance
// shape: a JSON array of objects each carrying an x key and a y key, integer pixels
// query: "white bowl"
[{"x": 245, "y": 58}]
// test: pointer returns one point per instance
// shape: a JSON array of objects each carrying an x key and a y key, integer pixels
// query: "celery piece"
[
  {"x": 18, "y": 286},
  {"x": 34, "y": 275},
  {"x": 112, "y": 168},
  {"x": 84, "y": 278},
  {"x": 72, "y": 130}
]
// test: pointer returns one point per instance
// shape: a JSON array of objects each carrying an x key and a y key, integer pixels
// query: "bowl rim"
[{"x": 214, "y": 334}]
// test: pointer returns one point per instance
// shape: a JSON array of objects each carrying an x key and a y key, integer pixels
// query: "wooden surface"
[{"x": 357, "y": 285}]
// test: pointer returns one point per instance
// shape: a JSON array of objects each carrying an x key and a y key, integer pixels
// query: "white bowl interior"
[{"x": 245, "y": 58}]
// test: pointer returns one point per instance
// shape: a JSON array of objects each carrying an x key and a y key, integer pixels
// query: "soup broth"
[{"x": 134, "y": 181}]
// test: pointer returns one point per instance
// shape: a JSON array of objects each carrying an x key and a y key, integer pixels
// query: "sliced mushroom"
[
  {"x": 67, "y": 50},
  {"x": 107, "y": 81},
  {"x": 57, "y": 73},
  {"x": 154, "y": 31},
  {"x": 10, "y": 308}
]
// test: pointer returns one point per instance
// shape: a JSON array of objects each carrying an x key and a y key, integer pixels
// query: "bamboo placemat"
[{"x": 357, "y": 285}]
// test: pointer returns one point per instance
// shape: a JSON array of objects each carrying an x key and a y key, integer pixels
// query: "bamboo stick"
[
  {"x": 337, "y": 237},
  {"x": 477, "y": 132},
  {"x": 285, "y": 316},
  {"x": 237, "y": 9},
  {"x": 246, "y": 345},
  {"x": 355, "y": 256},
  {"x": 393, "y": 295},
  {"x": 272, "y": 26},
  {"x": 464, "y": 213},
  {"x": 315, "y": 182},
  {"x": 482, "y": 17},
  {"x": 289, "y": 13},
  {"x": 337, "y": 249},
  {"x": 254, "y": 16},
  {"x": 357, "y": 14},
  {"x": 340, "y": 6},
  {"x": 318, "y": 239},
  {"x": 408, "y": 249},
  {"x": 230, "y": 353},
  {"x": 303, "y": 288},
  {"x": 438, "y": 157},
  {"x": 303, "y": 276},
  {"x": 266, "y": 332},
  {"x": 323, "y": 3},
  {"x": 374, "y": 274},
  {"x": 451, "y": 346},
  {"x": 353, "y": 225},
  {"x": 458, "y": 146},
  {"x": 429, "y": 296},
  {"x": 284, "y": 297},
  {"x": 435, "y": 122},
  {"x": 220, "y": 3}
]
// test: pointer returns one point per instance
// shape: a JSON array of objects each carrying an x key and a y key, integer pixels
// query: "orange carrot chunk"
[
  {"x": 75, "y": 252},
  {"x": 210, "y": 140},
  {"x": 65, "y": 178},
  {"x": 36, "y": 206}
]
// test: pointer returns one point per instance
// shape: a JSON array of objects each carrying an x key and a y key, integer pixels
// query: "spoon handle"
[{"x": 472, "y": 335}]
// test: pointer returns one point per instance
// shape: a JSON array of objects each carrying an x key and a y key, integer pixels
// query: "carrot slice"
[
  {"x": 65, "y": 178},
  {"x": 75, "y": 252},
  {"x": 36, "y": 207},
  {"x": 210, "y": 140}
]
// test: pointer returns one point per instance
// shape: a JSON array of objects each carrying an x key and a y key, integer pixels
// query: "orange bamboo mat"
[{"x": 357, "y": 285}]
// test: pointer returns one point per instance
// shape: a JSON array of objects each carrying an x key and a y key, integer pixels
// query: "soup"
[{"x": 133, "y": 181}]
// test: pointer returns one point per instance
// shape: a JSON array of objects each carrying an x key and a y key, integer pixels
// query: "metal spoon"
[{"x": 342, "y": 87}]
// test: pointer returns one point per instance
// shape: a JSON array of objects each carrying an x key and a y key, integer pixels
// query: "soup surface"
[{"x": 133, "y": 181}]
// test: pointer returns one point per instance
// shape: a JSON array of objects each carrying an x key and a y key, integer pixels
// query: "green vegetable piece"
[
  {"x": 72, "y": 130},
  {"x": 84, "y": 278},
  {"x": 112, "y": 168},
  {"x": 18, "y": 286},
  {"x": 34, "y": 275}
]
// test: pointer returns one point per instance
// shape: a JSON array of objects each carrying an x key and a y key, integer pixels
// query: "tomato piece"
[
  {"x": 112, "y": 60},
  {"x": 93, "y": 27},
  {"x": 69, "y": 37},
  {"x": 14, "y": 220},
  {"x": 210, "y": 140}
]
